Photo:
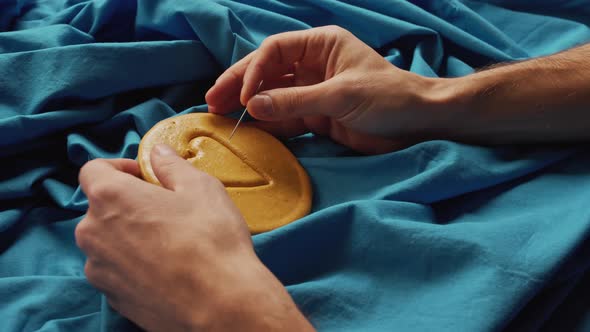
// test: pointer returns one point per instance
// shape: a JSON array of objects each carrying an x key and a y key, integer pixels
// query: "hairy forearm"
[
  {"x": 258, "y": 303},
  {"x": 540, "y": 100}
]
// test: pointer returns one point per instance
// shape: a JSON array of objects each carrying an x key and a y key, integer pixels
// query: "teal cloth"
[{"x": 438, "y": 237}]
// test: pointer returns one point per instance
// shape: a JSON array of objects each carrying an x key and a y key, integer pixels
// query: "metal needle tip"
[
  {"x": 242, "y": 116},
  {"x": 237, "y": 124}
]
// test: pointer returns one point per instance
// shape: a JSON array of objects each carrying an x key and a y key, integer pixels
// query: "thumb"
[
  {"x": 296, "y": 102},
  {"x": 173, "y": 172}
]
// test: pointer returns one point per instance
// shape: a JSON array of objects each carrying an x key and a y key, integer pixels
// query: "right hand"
[{"x": 326, "y": 81}]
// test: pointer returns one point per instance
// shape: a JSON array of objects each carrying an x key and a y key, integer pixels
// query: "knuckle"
[
  {"x": 90, "y": 273},
  {"x": 271, "y": 48},
  {"x": 232, "y": 74},
  {"x": 93, "y": 185},
  {"x": 103, "y": 190},
  {"x": 169, "y": 167},
  {"x": 258, "y": 67},
  {"x": 82, "y": 234},
  {"x": 337, "y": 30},
  {"x": 166, "y": 164},
  {"x": 92, "y": 164},
  {"x": 88, "y": 170},
  {"x": 269, "y": 41}
]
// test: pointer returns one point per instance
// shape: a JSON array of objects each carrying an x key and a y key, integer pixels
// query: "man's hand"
[
  {"x": 177, "y": 257},
  {"x": 327, "y": 81}
]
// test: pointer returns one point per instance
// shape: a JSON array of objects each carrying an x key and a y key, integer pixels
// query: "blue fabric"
[{"x": 440, "y": 236}]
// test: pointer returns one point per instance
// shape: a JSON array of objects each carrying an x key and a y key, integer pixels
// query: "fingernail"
[
  {"x": 262, "y": 105},
  {"x": 163, "y": 150}
]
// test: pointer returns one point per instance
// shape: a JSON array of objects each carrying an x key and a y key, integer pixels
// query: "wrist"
[
  {"x": 446, "y": 104},
  {"x": 255, "y": 301}
]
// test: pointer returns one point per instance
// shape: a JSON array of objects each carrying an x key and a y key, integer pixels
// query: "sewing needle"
[{"x": 242, "y": 116}]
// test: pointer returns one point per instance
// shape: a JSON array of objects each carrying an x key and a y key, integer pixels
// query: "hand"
[
  {"x": 177, "y": 257},
  {"x": 327, "y": 81}
]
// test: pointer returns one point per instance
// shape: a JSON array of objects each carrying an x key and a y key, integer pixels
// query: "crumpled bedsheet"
[{"x": 440, "y": 236}]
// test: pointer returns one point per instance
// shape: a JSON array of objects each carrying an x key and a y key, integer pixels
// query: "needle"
[{"x": 242, "y": 116}]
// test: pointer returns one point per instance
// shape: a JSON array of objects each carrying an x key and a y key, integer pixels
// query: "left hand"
[{"x": 177, "y": 257}]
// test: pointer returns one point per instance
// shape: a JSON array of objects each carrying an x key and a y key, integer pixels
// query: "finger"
[
  {"x": 104, "y": 180},
  {"x": 229, "y": 83},
  {"x": 98, "y": 169},
  {"x": 325, "y": 98},
  {"x": 285, "y": 81},
  {"x": 231, "y": 104},
  {"x": 283, "y": 129},
  {"x": 101, "y": 275},
  {"x": 276, "y": 54},
  {"x": 84, "y": 236},
  {"x": 99, "y": 166},
  {"x": 174, "y": 172},
  {"x": 224, "y": 96}
]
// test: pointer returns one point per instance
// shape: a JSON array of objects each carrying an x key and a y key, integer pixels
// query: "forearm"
[
  {"x": 258, "y": 302},
  {"x": 539, "y": 100}
]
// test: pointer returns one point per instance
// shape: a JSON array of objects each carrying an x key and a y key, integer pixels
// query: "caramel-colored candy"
[{"x": 263, "y": 178}]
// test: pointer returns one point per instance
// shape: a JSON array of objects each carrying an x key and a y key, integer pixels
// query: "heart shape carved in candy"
[{"x": 262, "y": 177}]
